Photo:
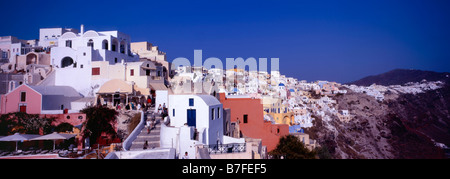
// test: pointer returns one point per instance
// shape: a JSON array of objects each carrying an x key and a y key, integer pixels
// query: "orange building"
[{"x": 249, "y": 113}]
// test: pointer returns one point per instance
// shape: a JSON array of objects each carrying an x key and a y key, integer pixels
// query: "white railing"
[{"x": 129, "y": 141}]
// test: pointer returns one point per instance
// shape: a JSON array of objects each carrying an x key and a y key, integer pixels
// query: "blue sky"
[{"x": 335, "y": 40}]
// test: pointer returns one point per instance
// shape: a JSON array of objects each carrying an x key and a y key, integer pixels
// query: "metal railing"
[{"x": 226, "y": 148}]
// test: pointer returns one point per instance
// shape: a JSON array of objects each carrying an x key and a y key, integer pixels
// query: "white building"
[
  {"x": 194, "y": 120},
  {"x": 48, "y": 37},
  {"x": 73, "y": 56}
]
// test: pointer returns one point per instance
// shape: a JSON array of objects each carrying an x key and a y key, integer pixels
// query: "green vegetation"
[
  {"x": 290, "y": 147},
  {"x": 24, "y": 123}
]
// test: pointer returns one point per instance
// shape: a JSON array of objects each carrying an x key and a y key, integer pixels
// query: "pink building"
[
  {"x": 39, "y": 99},
  {"x": 22, "y": 99}
]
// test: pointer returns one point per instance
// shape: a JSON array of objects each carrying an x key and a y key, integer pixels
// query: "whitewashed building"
[
  {"x": 194, "y": 120},
  {"x": 73, "y": 56}
]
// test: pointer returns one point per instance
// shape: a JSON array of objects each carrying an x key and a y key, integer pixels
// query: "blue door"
[{"x": 191, "y": 117}]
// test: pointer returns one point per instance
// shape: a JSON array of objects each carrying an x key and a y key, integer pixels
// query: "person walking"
[
  {"x": 159, "y": 109},
  {"x": 145, "y": 145},
  {"x": 148, "y": 126}
]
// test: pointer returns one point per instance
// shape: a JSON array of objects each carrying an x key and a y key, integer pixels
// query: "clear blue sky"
[{"x": 335, "y": 40}]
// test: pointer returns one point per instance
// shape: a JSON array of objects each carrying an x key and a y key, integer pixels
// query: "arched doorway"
[
  {"x": 32, "y": 58},
  {"x": 66, "y": 61},
  {"x": 105, "y": 44},
  {"x": 90, "y": 43},
  {"x": 122, "y": 47},
  {"x": 286, "y": 120},
  {"x": 115, "y": 45}
]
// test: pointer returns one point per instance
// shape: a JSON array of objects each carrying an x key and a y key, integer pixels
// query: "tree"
[
  {"x": 99, "y": 120},
  {"x": 64, "y": 127},
  {"x": 323, "y": 153},
  {"x": 290, "y": 147},
  {"x": 24, "y": 123}
]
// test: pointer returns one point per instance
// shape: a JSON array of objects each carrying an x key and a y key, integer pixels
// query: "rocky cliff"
[{"x": 404, "y": 125}]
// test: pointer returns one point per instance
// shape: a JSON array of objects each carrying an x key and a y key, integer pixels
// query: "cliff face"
[
  {"x": 421, "y": 122},
  {"x": 400, "y": 77},
  {"x": 403, "y": 126},
  {"x": 365, "y": 136}
]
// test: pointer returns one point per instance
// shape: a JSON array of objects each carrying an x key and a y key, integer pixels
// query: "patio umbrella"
[
  {"x": 18, "y": 137},
  {"x": 54, "y": 136}
]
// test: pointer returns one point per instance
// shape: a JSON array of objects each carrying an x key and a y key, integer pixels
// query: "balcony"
[{"x": 157, "y": 77}]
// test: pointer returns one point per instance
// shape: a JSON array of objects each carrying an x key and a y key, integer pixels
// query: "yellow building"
[{"x": 279, "y": 111}]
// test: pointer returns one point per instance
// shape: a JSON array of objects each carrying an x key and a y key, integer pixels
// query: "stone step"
[
  {"x": 147, "y": 139},
  {"x": 153, "y": 138},
  {"x": 143, "y": 142},
  {"x": 140, "y": 145},
  {"x": 148, "y": 136}
]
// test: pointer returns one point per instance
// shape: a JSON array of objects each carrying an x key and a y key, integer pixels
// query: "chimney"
[{"x": 82, "y": 29}]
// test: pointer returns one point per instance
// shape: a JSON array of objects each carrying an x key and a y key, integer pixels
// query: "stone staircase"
[{"x": 152, "y": 138}]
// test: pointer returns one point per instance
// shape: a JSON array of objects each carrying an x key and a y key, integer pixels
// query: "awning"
[
  {"x": 158, "y": 86},
  {"x": 143, "y": 91},
  {"x": 115, "y": 86},
  {"x": 19, "y": 137},
  {"x": 54, "y": 136}
]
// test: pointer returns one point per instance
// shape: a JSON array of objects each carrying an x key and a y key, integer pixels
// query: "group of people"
[
  {"x": 162, "y": 109},
  {"x": 133, "y": 106}
]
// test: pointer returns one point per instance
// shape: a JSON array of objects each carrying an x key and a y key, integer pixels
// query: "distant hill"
[{"x": 401, "y": 76}]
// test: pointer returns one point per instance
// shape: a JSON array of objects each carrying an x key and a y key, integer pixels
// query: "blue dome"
[
  {"x": 281, "y": 84},
  {"x": 292, "y": 90}
]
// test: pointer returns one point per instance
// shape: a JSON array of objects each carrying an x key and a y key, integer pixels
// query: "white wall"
[
  {"x": 76, "y": 77},
  {"x": 162, "y": 96},
  {"x": 203, "y": 104}
]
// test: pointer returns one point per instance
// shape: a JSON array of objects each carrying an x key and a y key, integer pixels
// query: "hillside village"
[{"x": 241, "y": 114}]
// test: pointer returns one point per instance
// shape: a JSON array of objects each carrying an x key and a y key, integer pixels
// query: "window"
[
  {"x": 96, "y": 71},
  {"x": 173, "y": 112},
  {"x": 105, "y": 44},
  {"x": 115, "y": 60},
  {"x": 191, "y": 101},
  {"x": 4, "y": 54},
  {"x": 245, "y": 118},
  {"x": 23, "y": 96},
  {"x": 69, "y": 43},
  {"x": 90, "y": 43},
  {"x": 212, "y": 114},
  {"x": 122, "y": 48},
  {"x": 131, "y": 72},
  {"x": 218, "y": 112}
]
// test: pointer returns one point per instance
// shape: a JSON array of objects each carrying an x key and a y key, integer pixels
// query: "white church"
[{"x": 72, "y": 56}]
